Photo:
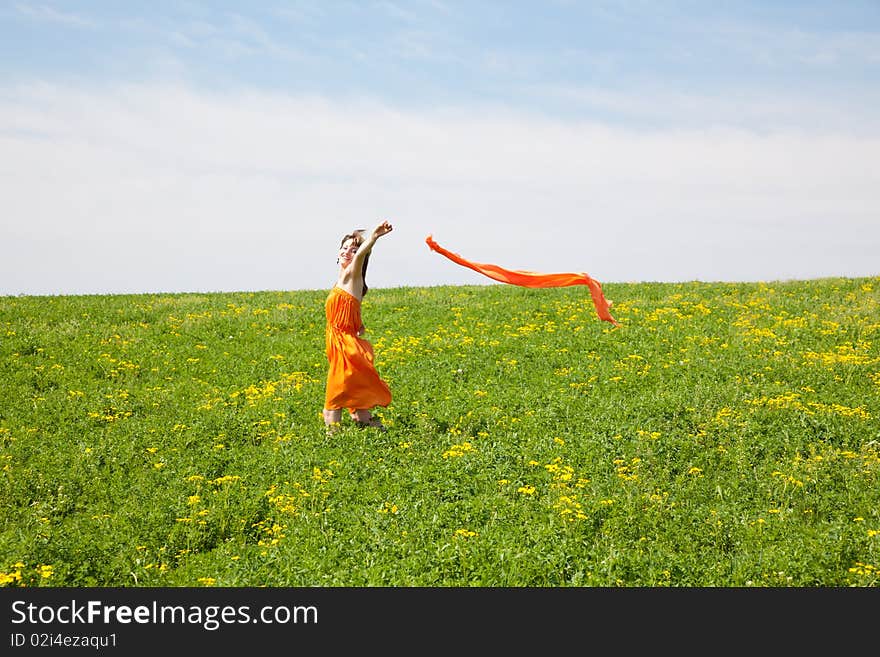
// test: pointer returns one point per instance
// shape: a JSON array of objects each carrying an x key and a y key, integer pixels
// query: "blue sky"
[{"x": 208, "y": 146}]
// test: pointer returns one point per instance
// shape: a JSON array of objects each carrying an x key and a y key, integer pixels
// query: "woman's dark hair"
[{"x": 358, "y": 238}]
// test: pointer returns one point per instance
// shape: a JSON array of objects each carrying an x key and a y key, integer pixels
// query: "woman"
[{"x": 352, "y": 379}]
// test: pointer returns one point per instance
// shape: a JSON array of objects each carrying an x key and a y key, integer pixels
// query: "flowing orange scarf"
[{"x": 533, "y": 279}]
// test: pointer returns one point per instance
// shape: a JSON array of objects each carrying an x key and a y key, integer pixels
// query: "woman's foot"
[
  {"x": 373, "y": 422},
  {"x": 364, "y": 418}
]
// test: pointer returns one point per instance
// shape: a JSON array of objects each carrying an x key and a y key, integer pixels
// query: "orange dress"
[{"x": 352, "y": 379}]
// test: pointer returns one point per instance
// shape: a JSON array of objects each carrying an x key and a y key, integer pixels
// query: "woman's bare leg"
[{"x": 332, "y": 417}]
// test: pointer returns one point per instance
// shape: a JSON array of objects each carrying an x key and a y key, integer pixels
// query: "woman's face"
[{"x": 346, "y": 252}]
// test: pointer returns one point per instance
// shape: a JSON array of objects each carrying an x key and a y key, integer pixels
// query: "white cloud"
[
  {"x": 742, "y": 107},
  {"x": 159, "y": 188},
  {"x": 46, "y": 13}
]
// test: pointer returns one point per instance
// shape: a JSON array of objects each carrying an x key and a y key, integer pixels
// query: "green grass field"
[{"x": 723, "y": 435}]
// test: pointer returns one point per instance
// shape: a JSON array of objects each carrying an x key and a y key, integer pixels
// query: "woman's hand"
[{"x": 382, "y": 229}]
